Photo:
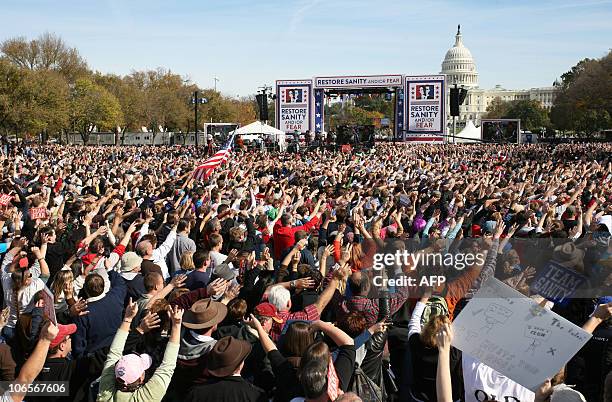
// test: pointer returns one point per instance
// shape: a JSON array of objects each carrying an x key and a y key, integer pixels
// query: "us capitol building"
[{"x": 460, "y": 69}]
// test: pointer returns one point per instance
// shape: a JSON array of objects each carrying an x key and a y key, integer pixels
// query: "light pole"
[
  {"x": 196, "y": 101},
  {"x": 216, "y": 79}
]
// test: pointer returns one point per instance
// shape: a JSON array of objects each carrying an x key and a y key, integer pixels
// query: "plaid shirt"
[
  {"x": 310, "y": 313},
  {"x": 370, "y": 307}
]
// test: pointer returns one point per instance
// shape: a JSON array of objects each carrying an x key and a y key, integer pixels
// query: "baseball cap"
[
  {"x": 129, "y": 261},
  {"x": 130, "y": 367},
  {"x": 64, "y": 331},
  {"x": 268, "y": 310}
]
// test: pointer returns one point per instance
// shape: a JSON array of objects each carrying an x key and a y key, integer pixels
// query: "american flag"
[{"x": 204, "y": 171}]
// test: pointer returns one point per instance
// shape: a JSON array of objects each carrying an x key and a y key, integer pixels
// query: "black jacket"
[
  {"x": 372, "y": 364},
  {"x": 227, "y": 389}
]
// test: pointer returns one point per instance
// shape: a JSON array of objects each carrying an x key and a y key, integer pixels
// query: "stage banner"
[
  {"x": 399, "y": 131},
  {"x": 294, "y": 106},
  {"x": 319, "y": 119},
  {"x": 425, "y": 108},
  {"x": 359, "y": 81},
  {"x": 516, "y": 336}
]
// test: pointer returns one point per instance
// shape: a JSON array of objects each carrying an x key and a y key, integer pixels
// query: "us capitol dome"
[
  {"x": 459, "y": 64},
  {"x": 460, "y": 68}
]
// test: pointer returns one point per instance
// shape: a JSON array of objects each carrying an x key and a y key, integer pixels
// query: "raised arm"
[{"x": 444, "y": 387}]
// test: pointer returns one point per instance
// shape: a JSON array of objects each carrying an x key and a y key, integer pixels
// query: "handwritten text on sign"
[{"x": 512, "y": 334}]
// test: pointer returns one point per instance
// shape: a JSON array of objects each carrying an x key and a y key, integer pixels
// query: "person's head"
[
  {"x": 237, "y": 234},
  {"x": 300, "y": 235},
  {"x": 313, "y": 379},
  {"x": 313, "y": 370},
  {"x": 201, "y": 259},
  {"x": 306, "y": 271},
  {"x": 359, "y": 283},
  {"x": 286, "y": 219},
  {"x": 297, "y": 339},
  {"x": 144, "y": 248},
  {"x": 354, "y": 323},
  {"x": 236, "y": 310},
  {"x": 62, "y": 278},
  {"x": 96, "y": 246},
  {"x": 212, "y": 226},
  {"x": 215, "y": 242},
  {"x": 204, "y": 315},
  {"x": 161, "y": 308},
  {"x": 130, "y": 371},
  {"x": 61, "y": 345},
  {"x": 227, "y": 357},
  {"x": 431, "y": 328},
  {"x": 184, "y": 226},
  {"x": 94, "y": 285},
  {"x": 349, "y": 397},
  {"x": 280, "y": 298},
  {"x": 153, "y": 282},
  {"x": 186, "y": 261},
  {"x": 266, "y": 313},
  {"x": 49, "y": 232},
  {"x": 130, "y": 263}
]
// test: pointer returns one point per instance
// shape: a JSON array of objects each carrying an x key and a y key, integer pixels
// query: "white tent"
[
  {"x": 470, "y": 133},
  {"x": 257, "y": 129}
]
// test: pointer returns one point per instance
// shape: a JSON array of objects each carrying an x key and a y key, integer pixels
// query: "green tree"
[
  {"x": 584, "y": 103},
  {"x": 93, "y": 106},
  {"x": 497, "y": 109},
  {"x": 33, "y": 102},
  {"x": 47, "y": 52},
  {"x": 533, "y": 116}
]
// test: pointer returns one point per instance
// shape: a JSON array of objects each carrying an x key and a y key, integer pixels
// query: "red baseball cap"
[
  {"x": 268, "y": 310},
  {"x": 64, "y": 331}
]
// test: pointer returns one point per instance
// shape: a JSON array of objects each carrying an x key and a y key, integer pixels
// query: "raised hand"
[
  {"x": 79, "y": 308},
  {"x": 444, "y": 337},
  {"x": 216, "y": 287},
  {"x": 131, "y": 310},
  {"x": 176, "y": 315},
  {"x": 304, "y": 283},
  {"x": 178, "y": 281}
]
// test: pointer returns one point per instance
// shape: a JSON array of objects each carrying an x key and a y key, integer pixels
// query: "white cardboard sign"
[{"x": 512, "y": 334}]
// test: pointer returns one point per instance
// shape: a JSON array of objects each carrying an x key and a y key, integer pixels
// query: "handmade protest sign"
[
  {"x": 513, "y": 335},
  {"x": 5, "y": 199},
  {"x": 38, "y": 213},
  {"x": 557, "y": 283}
]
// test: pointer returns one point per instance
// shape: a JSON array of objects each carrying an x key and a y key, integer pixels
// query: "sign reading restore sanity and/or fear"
[
  {"x": 425, "y": 102},
  {"x": 512, "y": 334},
  {"x": 359, "y": 81},
  {"x": 293, "y": 103}
]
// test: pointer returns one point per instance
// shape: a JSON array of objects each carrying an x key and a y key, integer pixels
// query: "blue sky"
[{"x": 518, "y": 44}]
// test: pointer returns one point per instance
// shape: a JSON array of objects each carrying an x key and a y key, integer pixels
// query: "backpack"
[
  {"x": 363, "y": 386},
  {"x": 436, "y": 305}
]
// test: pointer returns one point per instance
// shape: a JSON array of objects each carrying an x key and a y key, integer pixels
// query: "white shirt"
[
  {"x": 25, "y": 295},
  {"x": 482, "y": 383},
  {"x": 160, "y": 253}
]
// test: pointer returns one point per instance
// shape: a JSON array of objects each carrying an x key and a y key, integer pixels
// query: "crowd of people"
[{"x": 126, "y": 279}]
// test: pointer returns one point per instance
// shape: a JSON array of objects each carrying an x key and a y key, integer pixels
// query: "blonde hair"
[
  {"x": 61, "y": 278},
  {"x": 186, "y": 261},
  {"x": 433, "y": 326}
]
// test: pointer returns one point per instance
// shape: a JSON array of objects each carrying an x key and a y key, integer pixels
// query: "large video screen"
[{"x": 501, "y": 130}]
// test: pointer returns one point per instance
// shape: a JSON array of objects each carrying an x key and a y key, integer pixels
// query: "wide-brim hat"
[
  {"x": 204, "y": 313},
  {"x": 568, "y": 255},
  {"x": 225, "y": 357}
]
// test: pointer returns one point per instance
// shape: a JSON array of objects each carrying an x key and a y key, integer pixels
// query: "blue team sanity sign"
[{"x": 557, "y": 283}]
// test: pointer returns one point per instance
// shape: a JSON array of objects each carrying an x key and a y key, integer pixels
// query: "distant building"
[{"x": 460, "y": 68}]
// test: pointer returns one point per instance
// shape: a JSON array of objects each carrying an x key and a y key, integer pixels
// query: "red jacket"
[{"x": 284, "y": 236}]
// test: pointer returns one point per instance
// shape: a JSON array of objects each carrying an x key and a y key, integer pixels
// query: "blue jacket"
[{"x": 97, "y": 329}]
